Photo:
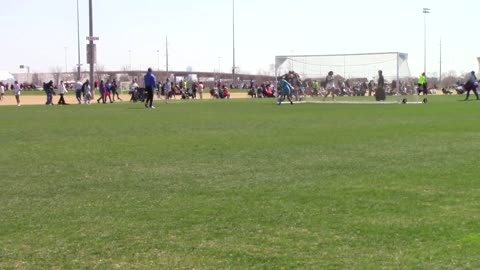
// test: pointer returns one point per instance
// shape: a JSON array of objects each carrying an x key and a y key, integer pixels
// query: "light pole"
[
  {"x": 130, "y": 59},
  {"x": 158, "y": 59},
  {"x": 425, "y": 12},
  {"x": 66, "y": 61},
  {"x": 233, "y": 24},
  {"x": 219, "y": 64},
  {"x": 78, "y": 36},
  {"x": 440, "y": 76},
  {"x": 92, "y": 49}
]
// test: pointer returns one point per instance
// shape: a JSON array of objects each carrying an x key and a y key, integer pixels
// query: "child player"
[{"x": 286, "y": 91}]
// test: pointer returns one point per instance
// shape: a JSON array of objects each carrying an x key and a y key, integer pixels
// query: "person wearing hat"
[{"x": 471, "y": 85}]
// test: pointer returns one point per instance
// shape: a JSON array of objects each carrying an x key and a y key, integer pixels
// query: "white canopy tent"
[{"x": 6, "y": 77}]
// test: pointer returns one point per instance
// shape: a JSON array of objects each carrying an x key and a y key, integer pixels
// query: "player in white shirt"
[
  {"x": 2, "y": 91},
  {"x": 17, "y": 90},
  {"x": 62, "y": 90},
  {"x": 78, "y": 91},
  {"x": 88, "y": 94},
  {"x": 330, "y": 85}
]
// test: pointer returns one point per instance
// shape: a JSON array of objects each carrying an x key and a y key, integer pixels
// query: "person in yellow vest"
[{"x": 422, "y": 84}]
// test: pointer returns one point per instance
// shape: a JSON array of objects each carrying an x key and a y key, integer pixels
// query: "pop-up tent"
[{"x": 6, "y": 77}]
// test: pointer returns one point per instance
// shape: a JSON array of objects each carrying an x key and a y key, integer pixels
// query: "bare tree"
[
  {"x": 100, "y": 72},
  {"x": 271, "y": 70},
  {"x": 35, "y": 79},
  {"x": 56, "y": 73}
]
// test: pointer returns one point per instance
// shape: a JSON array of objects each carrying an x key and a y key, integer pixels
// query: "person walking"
[
  {"x": 133, "y": 90},
  {"x": 150, "y": 84},
  {"x": 330, "y": 85},
  {"x": 286, "y": 91},
  {"x": 2, "y": 91},
  {"x": 115, "y": 91},
  {"x": 61, "y": 91},
  {"x": 108, "y": 91},
  {"x": 88, "y": 93},
  {"x": 167, "y": 88},
  {"x": 17, "y": 91},
  {"x": 48, "y": 88},
  {"x": 422, "y": 84},
  {"x": 471, "y": 85},
  {"x": 102, "y": 93},
  {"x": 78, "y": 91}
]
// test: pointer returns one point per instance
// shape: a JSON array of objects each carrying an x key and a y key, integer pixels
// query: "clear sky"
[{"x": 35, "y": 33}]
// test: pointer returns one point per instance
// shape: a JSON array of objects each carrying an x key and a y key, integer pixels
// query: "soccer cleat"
[{"x": 152, "y": 107}]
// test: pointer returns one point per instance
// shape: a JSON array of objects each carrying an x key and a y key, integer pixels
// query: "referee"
[{"x": 150, "y": 84}]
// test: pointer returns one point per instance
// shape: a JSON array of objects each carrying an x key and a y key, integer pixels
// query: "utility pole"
[
  {"x": 130, "y": 60},
  {"x": 440, "y": 77},
  {"x": 92, "y": 49},
  {"x": 158, "y": 60},
  {"x": 78, "y": 37},
  {"x": 233, "y": 24},
  {"x": 425, "y": 12},
  {"x": 166, "y": 53},
  {"x": 66, "y": 61}
]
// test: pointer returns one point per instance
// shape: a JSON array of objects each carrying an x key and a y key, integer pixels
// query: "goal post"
[{"x": 355, "y": 77}]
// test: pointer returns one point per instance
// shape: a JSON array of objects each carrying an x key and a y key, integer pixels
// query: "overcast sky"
[{"x": 35, "y": 33}]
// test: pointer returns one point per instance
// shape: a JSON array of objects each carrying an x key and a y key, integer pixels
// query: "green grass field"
[{"x": 240, "y": 184}]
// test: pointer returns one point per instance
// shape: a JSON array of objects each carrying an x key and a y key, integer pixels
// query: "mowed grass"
[{"x": 240, "y": 184}]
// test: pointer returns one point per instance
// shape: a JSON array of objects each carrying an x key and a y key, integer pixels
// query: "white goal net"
[{"x": 355, "y": 77}]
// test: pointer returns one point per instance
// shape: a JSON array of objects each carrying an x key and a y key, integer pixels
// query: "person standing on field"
[
  {"x": 471, "y": 85},
  {"x": 330, "y": 85},
  {"x": 150, "y": 85},
  {"x": 115, "y": 90},
  {"x": 61, "y": 92},
  {"x": 88, "y": 92},
  {"x": 380, "y": 92},
  {"x": 167, "y": 88},
  {"x": 200, "y": 89},
  {"x": 422, "y": 84},
  {"x": 78, "y": 91},
  {"x": 48, "y": 88},
  {"x": 2, "y": 91},
  {"x": 17, "y": 90},
  {"x": 286, "y": 91},
  {"x": 102, "y": 93}
]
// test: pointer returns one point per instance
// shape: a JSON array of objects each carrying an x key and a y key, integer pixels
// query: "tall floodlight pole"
[
  {"x": 158, "y": 60},
  {"x": 66, "y": 60},
  {"x": 92, "y": 50},
  {"x": 166, "y": 53},
  {"x": 440, "y": 77},
  {"x": 130, "y": 60},
  {"x": 233, "y": 24},
  {"x": 425, "y": 12},
  {"x": 78, "y": 37}
]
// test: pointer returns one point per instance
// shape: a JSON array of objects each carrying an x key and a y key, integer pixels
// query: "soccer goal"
[{"x": 354, "y": 78}]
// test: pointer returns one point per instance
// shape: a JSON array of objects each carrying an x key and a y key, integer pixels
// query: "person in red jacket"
[{"x": 226, "y": 92}]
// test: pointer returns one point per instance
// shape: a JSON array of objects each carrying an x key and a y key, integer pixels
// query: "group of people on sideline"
[{"x": 287, "y": 86}]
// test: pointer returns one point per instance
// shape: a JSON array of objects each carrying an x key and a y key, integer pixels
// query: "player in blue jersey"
[{"x": 286, "y": 91}]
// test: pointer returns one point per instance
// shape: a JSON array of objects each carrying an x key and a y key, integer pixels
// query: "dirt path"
[{"x": 9, "y": 98}]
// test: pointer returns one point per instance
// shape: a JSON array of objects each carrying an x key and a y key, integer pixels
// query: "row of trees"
[{"x": 57, "y": 74}]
